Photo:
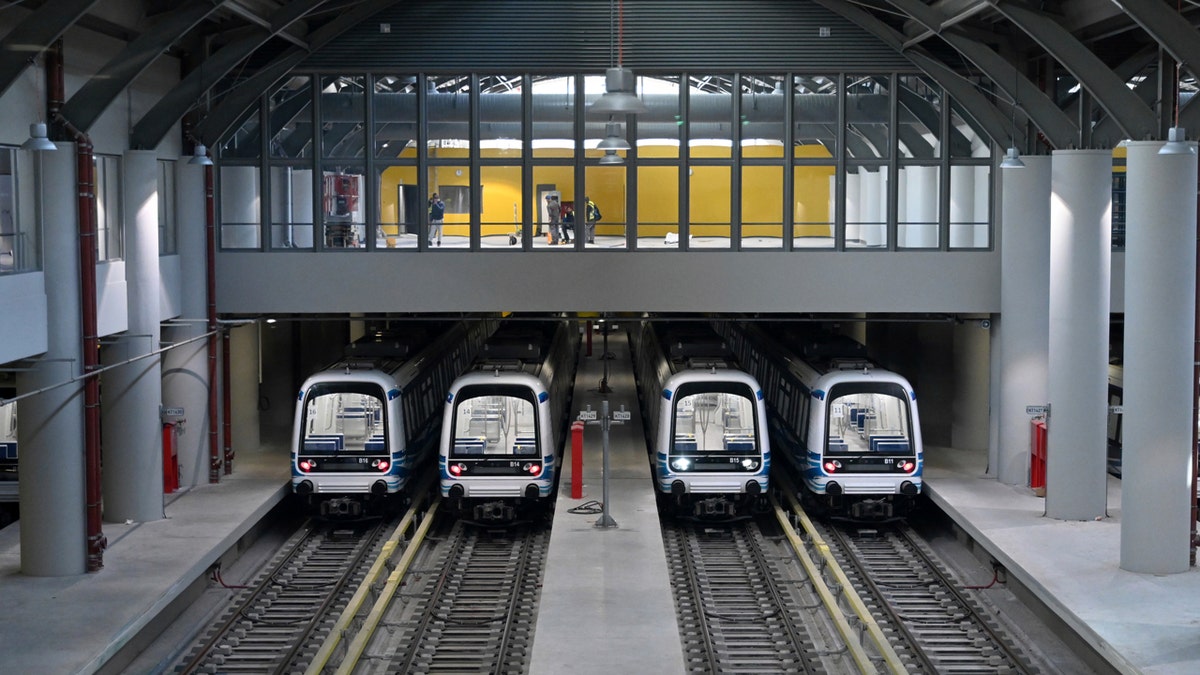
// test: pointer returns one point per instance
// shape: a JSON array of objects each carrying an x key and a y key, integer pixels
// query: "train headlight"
[
  {"x": 532, "y": 469},
  {"x": 832, "y": 465},
  {"x": 307, "y": 465},
  {"x": 381, "y": 464},
  {"x": 749, "y": 464},
  {"x": 907, "y": 465},
  {"x": 681, "y": 464},
  {"x": 456, "y": 469}
]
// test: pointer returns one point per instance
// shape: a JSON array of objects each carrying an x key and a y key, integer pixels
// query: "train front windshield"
[
  {"x": 342, "y": 418},
  {"x": 715, "y": 427},
  {"x": 869, "y": 418},
  {"x": 495, "y": 422}
]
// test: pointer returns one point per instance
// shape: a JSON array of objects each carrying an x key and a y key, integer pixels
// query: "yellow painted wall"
[{"x": 658, "y": 195}]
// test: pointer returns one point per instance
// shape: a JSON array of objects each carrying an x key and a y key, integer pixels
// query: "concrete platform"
[
  {"x": 77, "y": 624},
  {"x": 606, "y": 604},
  {"x": 1139, "y": 623}
]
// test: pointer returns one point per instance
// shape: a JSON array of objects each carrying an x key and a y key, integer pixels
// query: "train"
[
  {"x": 706, "y": 421},
  {"x": 847, "y": 428},
  {"x": 8, "y": 439},
  {"x": 364, "y": 424},
  {"x": 504, "y": 423}
]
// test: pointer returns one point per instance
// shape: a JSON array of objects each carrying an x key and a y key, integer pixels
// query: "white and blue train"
[
  {"x": 367, "y": 422},
  {"x": 847, "y": 427},
  {"x": 505, "y": 422},
  {"x": 8, "y": 440},
  {"x": 706, "y": 422}
]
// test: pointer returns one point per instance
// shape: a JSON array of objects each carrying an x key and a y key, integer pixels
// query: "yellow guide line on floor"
[
  {"x": 890, "y": 658},
  {"x": 321, "y": 659}
]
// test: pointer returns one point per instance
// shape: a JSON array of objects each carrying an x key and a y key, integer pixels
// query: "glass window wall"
[
  {"x": 241, "y": 207},
  {"x": 20, "y": 250}
]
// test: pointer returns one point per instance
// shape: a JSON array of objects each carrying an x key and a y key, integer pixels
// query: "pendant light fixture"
[
  {"x": 1012, "y": 158},
  {"x": 619, "y": 83}
]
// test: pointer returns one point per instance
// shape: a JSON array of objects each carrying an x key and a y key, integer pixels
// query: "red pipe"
[
  {"x": 85, "y": 189},
  {"x": 1195, "y": 405},
  {"x": 226, "y": 403},
  {"x": 214, "y": 457}
]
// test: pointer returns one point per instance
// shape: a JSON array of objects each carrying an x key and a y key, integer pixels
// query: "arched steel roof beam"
[
  {"x": 1041, "y": 109},
  {"x": 154, "y": 125},
  {"x": 986, "y": 115},
  {"x": 1134, "y": 117},
  {"x": 937, "y": 17},
  {"x": 82, "y": 109},
  {"x": 1171, "y": 30},
  {"x": 30, "y": 37},
  {"x": 233, "y": 105}
]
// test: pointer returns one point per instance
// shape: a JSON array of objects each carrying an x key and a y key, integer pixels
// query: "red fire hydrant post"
[
  {"x": 170, "y": 459},
  {"x": 577, "y": 460},
  {"x": 1037, "y": 464}
]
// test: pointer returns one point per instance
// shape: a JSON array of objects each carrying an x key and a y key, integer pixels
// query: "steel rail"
[
  {"x": 321, "y": 658},
  {"x": 891, "y": 659}
]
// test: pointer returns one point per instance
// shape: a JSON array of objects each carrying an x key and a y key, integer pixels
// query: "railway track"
[
  {"x": 275, "y": 618},
  {"x": 735, "y": 611},
  {"x": 944, "y": 629},
  {"x": 476, "y": 609}
]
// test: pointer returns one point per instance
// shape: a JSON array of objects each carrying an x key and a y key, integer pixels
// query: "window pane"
[
  {"x": 815, "y": 99},
  {"x": 710, "y": 109},
  {"x": 19, "y": 222},
  {"x": 246, "y": 140},
  {"x": 400, "y": 207},
  {"x": 762, "y": 110},
  {"x": 869, "y": 422},
  {"x": 866, "y": 206},
  {"x": 867, "y": 114},
  {"x": 342, "y": 207},
  {"x": 449, "y": 113},
  {"x": 343, "y": 115},
  {"x": 812, "y": 192},
  {"x": 452, "y": 183},
  {"x": 289, "y": 114},
  {"x": 658, "y": 206},
  {"x": 708, "y": 206},
  {"x": 241, "y": 199},
  {"x": 554, "y": 116},
  {"x": 500, "y": 134},
  {"x": 713, "y": 423},
  {"x": 920, "y": 125},
  {"x": 291, "y": 207},
  {"x": 918, "y": 210},
  {"x": 110, "y": 241},
  {"x": 762, "y": 206},
  {"x": 658, "y": 131},
  {"x": 501, "y": 208},
  {"x": 395, "y": 101},
  {"x": 969, "y": 199},
  {"x": 494, "y": 425},
  {"x": 548, "y": 179},
  {"x": 606, "y": 189}
]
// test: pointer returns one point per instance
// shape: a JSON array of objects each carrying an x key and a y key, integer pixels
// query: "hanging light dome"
[
  {"x": 611, "y": 157},
  {"x": 201, "y": 156},
  {"x": 1177, "y": 143},
  {"x": 613, "y": 140},
  {"x": 619, "y": 97},
  {"x": 38, "y": 139},
  {"x": 1012, "y": 159}
]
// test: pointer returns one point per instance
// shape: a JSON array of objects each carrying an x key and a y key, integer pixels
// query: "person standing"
[
  {"x": 591, "y": 216},
  {"x": 553, "y": 213},
  {"x": 437, "y": 212}
]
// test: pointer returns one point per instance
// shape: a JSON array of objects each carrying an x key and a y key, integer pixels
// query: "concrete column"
[
  {"x": 50, "y": 435},
  {"x": 1024, "y": 328},
  {"x": 922, "y": 213},
  {"x": 969, "y": 423},
  {"x": 1160, "y": 302},
  {"x": 1080, "y": 262},
  {"x": 962, "y": 206},
  {"x": 185, "y": 369},
  {"x": 244, "y": 371},
  {"x": 132, "y": 393}
]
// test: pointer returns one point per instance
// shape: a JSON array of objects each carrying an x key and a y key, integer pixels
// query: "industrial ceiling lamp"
[
  {"x": 1012, "y": 158},
  {"x": 619, "y": 83},
  {"x": 200, "y": 156},
  {"x": 38, "y": 138},
  {"x": 611, "y": 157},
  {"x": 1177, "y": 143},
  {"x": 613, "y": 140}
]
